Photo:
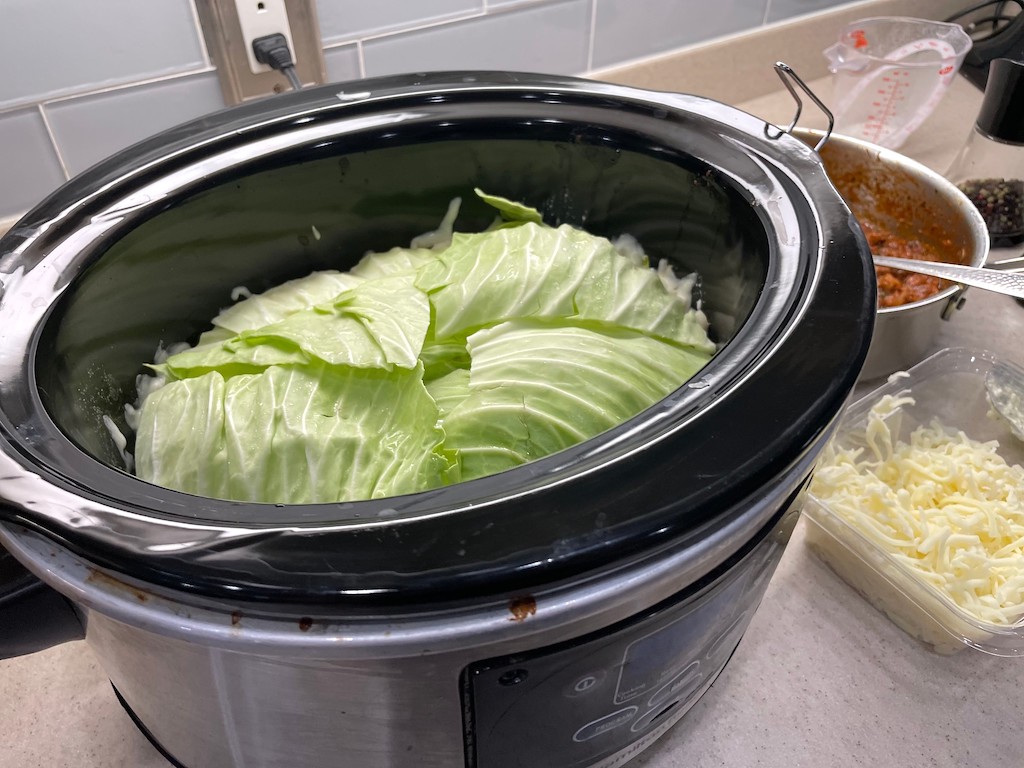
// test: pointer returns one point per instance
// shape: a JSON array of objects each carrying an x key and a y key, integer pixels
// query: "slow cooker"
[{"x": 563, "y": 613}]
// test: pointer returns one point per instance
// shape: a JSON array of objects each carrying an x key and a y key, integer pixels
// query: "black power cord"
[
  {"x": 996, "y": 20},
  {"x": 273, "y": 51}
]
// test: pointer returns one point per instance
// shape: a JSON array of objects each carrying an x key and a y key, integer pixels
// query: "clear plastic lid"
[{"x": 950, "y": 386}]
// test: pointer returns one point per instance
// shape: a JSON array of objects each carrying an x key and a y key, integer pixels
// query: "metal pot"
[
  {"x": 912, "y": 201},
  {"x": 566, "y": 612}
]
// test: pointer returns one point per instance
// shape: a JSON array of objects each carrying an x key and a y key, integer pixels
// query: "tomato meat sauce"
[{"x": 895, "y": 286}]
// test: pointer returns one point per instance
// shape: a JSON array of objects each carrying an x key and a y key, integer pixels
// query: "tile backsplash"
[{"x": 92, "y": 78}]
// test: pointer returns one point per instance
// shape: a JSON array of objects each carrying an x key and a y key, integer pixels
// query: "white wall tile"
[
  {"x": 29, "y": 168},
  {"x": 784, "y": 9},
  {"x": 546, "y": 37},
  {"x": 90, "y": 128},
  {"x": 75, "y": 56},
  {"x": 60, "y": 46},
  {"x": 342, "y": 63},
  {"x": 349, "y": 19},
  {"x": 631, "y": 29}
]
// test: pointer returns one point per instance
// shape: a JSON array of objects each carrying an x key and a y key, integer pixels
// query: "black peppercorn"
[
  {"x": 1001, "y": 204},
  {"x": 990, "y": 168}
]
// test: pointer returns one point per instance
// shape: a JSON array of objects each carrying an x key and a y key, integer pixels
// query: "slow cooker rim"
[
  {"x": 629, "y": 425},
  {"x": 593, "y": 600},
  {"x": 609, "y": 436}
]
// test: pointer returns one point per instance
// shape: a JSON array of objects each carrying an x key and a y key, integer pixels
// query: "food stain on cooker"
[
  {"x": 100, "y": 578},
  {"x": 305, "y": 623},
  {"x": 522, "y": 608},
  {"x": 236, "y": 618}
]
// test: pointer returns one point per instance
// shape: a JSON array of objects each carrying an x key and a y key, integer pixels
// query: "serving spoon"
[{"x": 1007, "y": 283}]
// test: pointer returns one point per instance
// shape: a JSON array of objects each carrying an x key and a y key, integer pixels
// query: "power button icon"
[{"x": 585, "y": 684}]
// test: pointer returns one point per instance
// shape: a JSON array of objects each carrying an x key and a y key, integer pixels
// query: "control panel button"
[
  {"x": 605, "y": 724},
  {"x": 678, "y": 686},
  {"x": 588, "y": 683}
]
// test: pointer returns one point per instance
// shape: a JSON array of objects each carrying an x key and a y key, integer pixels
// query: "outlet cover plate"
[{"x": 226, "y": 46}]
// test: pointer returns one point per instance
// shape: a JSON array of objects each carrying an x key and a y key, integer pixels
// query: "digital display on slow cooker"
[{"x": 666, "y": 654}]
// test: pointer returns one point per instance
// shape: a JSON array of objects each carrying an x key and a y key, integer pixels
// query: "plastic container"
[
  {"x": 990, "y": 167},
  {"x": 950, "y": 386},
  {"x": 890, "y": 73}
]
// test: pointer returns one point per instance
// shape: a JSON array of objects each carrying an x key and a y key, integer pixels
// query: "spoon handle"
[{"x": 1007, "y": 283}]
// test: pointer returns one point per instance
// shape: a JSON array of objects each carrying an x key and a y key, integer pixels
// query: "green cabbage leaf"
[
  {"x": 537, "y": 386},
  {"x": 422, "y": 366},
  {"x": 295, "y": 434},
  {"x": 533, "y": 270}
]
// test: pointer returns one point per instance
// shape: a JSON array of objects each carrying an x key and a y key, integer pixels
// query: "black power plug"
[{"x": 273, "y": 51}]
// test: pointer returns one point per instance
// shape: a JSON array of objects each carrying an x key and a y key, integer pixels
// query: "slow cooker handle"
[
  {"x": 788, "y": 76},
  {"x": 33, "y": 616}
]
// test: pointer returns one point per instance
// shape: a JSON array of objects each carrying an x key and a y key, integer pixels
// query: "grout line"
[
  {"x": 430, "y": 23},
  {"x": 362, "y": 59},
  {"x": 133, "y": 84},
  {"x": 593, "y": 34},
  {"x": 427, "y": 25},
  {"x": 655, "y": 56},
  {"x": 202, "y": 37},
  {"x": 523, "y": 4},
  {"x": 346, "y": 44},
  {"x": 17, "y": 107},
  {"x": 53, "y": 141},
  {"x": 77, "y": 94},
  {"x": 767, "y": 12}
]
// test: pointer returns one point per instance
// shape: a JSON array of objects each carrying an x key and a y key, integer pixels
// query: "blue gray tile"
[
  {"x": 90, "y": 128},
  {"x": 349, "y": 19},
  {"x": 630, "y": 29},
  {"x": 549, "y": 37},
  {"x": 29, "y": 168},
  {"x": 342, "y": 63},
  {"x": 784, "y": 9},
  {"x": 62, "y": 46}
]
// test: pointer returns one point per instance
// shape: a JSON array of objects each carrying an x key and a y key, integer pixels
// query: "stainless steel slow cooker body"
[{"x": 433, "y": 629}]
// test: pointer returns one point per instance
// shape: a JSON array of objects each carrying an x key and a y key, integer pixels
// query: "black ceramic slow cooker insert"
[{"x": 679, "y": 512}]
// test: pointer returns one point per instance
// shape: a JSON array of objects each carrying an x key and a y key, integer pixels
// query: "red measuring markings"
[
  {"x": 946, "y": 69},
  {"x": 885, "y": 106}
]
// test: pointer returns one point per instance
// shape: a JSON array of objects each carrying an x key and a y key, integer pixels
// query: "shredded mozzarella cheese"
[{"x": 948, "y": 508}]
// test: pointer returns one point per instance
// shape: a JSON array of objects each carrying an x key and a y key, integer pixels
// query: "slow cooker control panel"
[{"x": 579, "y": 704}]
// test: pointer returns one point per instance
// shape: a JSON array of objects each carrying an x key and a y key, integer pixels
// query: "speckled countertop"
[{"x": 821, "y": 680}]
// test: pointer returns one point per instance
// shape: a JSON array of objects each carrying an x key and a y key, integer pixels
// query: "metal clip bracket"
[{"x": 788, "y": 77}]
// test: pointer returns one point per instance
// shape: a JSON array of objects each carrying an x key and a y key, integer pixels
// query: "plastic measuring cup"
[{"x": 890, "y": 72}]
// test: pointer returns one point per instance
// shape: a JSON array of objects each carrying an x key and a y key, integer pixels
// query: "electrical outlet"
[
  {"x": 230, "y": 26},
  {"x": 259, "y": 18}
]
